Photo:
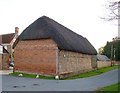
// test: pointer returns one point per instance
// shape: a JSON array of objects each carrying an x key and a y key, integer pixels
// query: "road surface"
[{"x": 12, "y": 83}]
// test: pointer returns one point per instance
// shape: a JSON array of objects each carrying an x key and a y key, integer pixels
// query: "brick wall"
[
  {"x": 101, "y": 64},
  {"x": 36, "y": 56},
  {"x": 42, "y": 57},
  {"x": 74, "y": 63}
]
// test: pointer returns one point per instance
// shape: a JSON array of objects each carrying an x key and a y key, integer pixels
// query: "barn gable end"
[{"x": 36, "y": 56}]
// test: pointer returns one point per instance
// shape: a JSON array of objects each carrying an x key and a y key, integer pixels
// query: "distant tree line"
[{"x": 112, "y": 50}]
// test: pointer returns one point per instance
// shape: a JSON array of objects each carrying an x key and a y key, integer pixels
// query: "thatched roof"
[{"x": 66, "y": 39}]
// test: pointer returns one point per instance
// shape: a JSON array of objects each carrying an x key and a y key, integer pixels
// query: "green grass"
[
  {"x": 112, "y": 88},
  {"x": 31, "y": 75},
  {"x": 93, "y": 73},
  {"x": 82, "y": 75}
]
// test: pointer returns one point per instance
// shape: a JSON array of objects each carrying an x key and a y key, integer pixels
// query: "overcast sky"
[{"x": 81, "y": 16}]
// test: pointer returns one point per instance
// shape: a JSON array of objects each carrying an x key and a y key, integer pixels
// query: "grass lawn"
[
  {"x": 112, "y": 88},
  {"x": 31, "y": 75},
  {"x": 82, "y": 75},
  {"x": 93, "y": 73}
]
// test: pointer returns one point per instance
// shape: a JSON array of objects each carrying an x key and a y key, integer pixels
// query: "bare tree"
[
  {"x": 114, "y": 10},
  {"x": 114, "y": 13}
]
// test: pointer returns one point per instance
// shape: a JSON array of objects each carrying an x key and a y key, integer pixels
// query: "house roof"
[
  {"x": 6, "y": 38},
  {"x": 102, "y": 58},
  {"x": 66, "y": 39}
]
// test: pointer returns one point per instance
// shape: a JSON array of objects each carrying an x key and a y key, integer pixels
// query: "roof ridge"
[
  {"x": 47, "y": 19},
  {"x": 65, "y": 38},
  {"x": 7, "y": 34}
]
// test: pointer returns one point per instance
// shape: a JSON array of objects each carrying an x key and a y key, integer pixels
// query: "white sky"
[{"x": 81, "y": 16}]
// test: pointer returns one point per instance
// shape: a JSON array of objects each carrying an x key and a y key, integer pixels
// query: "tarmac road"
[{"x": 11, "y": 83}]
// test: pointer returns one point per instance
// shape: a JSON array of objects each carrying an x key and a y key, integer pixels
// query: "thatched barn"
[{"x": 48, "y": 48}]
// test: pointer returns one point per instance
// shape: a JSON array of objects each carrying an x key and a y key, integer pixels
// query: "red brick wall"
[{"x": 36, "y": 56}]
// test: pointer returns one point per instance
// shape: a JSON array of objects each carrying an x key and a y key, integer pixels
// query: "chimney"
[{"x": 16, "y": 30}]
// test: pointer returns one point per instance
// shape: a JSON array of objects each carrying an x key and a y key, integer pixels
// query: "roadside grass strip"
[
  {"x": 20, "y": 74},
  {"x": 82, "y": 75},
  {"x": 114, "y": 88},
  {"x": 93, "y": 72}
]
